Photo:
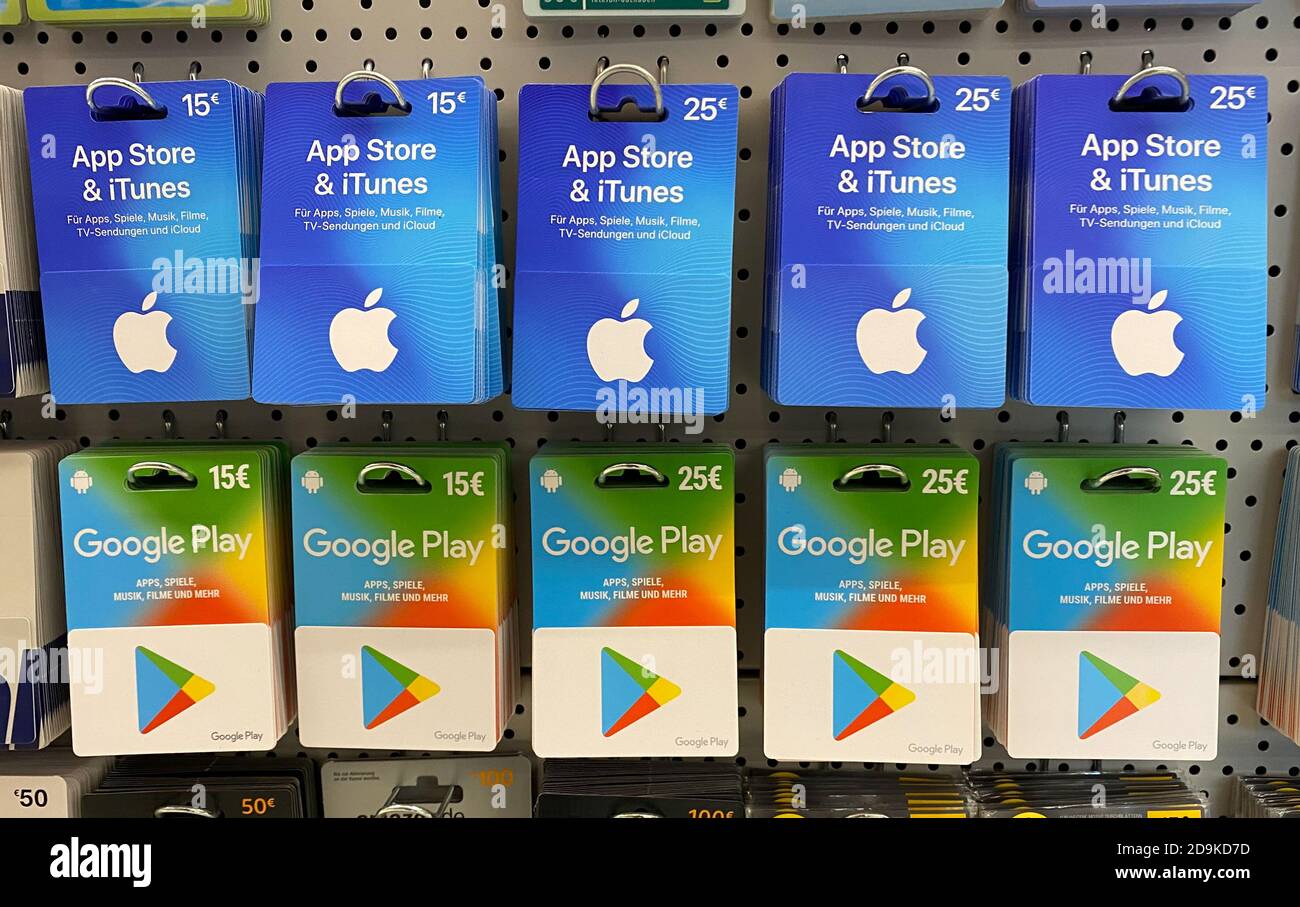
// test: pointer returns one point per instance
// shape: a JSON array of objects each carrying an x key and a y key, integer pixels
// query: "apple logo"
[
  {"x": 141, "y": 339},
  {"x": 887, "y": 338},
  {"x": 616, "y": 348},
  {"x": 359, "y": 337},
  {"x": 1144, "y": 341}
]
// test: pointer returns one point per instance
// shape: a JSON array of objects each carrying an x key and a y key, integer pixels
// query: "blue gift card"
[
  {"x": 379, "y": 265},
  {"x": 1141, "y": 259},
  {"x": 144, "y": 205},
  {"x": 887, "y": 275},
  {"x": 623, "y": 285}
]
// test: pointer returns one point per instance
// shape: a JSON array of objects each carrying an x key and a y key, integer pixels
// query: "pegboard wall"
[{"x": 324, "y": 39}]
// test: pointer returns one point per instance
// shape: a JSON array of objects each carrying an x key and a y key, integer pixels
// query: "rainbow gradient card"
[
  {"x": 870, "y": 651},
  {"x": 634, "y": 606},
  {"x": 404, "y": 579},
  {"x": 176, "y": 567},
  {"x": 1104, "y": 597}
]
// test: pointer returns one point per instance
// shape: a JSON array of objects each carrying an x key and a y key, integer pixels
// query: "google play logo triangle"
[
  {"x": 862, "y": 695},
  {"x": 1107, "y": 695},
  {"x": 629, "y": 691},
  {"x": 164, "y": 689},
  {"x": 389, "y": 688}
]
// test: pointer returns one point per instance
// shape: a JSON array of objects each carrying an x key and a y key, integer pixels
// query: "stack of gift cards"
[
  {"x": 1185, "y": 7},
  {"x": 47, "y": 785},
  {"x": 870, "y": 652},
  {"x": 22, "y": 340},
  {"x": 1104, "y": 575},
  {"x": 403, "y": 561},
  {"x": 209, "y": 13},
  {"x": 634, "y": 604},
  {"x": 652, "y": 789},
  {"x": 626, "y": 214},
  {"x": 381, "y": 251},
  {"x": 151, "y": 201},
  {"x": 469, "y": 787},
  {"x": 178, "y": 576},
  {"x": 206, "y": 787},
  {"x": 34, "y": 667},
  {"x": 887, "y": 243},
  {"x": 786, "y": 10},
  {"x": 1266, "y": 797},
  {"x": 1278, "y": 702},
  {"x": 853, "y": 795},
  {"x": 1084, "y": 795},
  {"x": 1139, "y": 270},
  {"x": 641, "y": 9}
]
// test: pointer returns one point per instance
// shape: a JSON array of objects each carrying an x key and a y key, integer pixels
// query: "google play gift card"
[
  {"x": 634, "y": 639},
  {"x": 870, "y": 652}
]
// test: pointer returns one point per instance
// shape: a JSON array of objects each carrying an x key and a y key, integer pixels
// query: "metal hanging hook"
[
  {"x": 887, "y": 426},
  {"x": 442, "y": 424},
  {"x": 222, "y": 415},
  {"x": 1085, "y": 63},
  {"x": 178, "y": 472},
  {"x": 602, "y": 64},
  {"x": 426, "y": 67},
  {"x": 137, "y": 71},
  {"x": 185, "y": 812},
  {"x": 5, "y": 418},
  {"x": 1150, "y": 69},
  {"x": 195, "y": 69},
  {"x": 904, "y": 68},
  {"x": 626, "y": 69},
  {"x": 386, "y": 425},
  {"x": 386, "y": 467},
  {"x": 644, "y": 469},
  {"x": 1062, "y": 427},
  {"x": 1120, "y": 419},
  {"x": 880, "y": 469},
  {"x": 1146, "y": 473},
  {"x": 369, "y": 73},
  {"x": 397, "y": 806},
  {"x": 832, "y": 428},
  {"x": 125, "y": 85},
  {"x": 842, "y": 64},
  {"x": 169, "y": 424},
  {"x": 663, "y": 70}
]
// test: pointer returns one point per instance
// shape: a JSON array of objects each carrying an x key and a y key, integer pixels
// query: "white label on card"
[
  {"x": 403, "y": 688},
  {"x": 871, "y": 696},
  {"x": 635, "y": 691},
  {"x": 1113, "y": 695},
  {"x": 174, "y": 690}
]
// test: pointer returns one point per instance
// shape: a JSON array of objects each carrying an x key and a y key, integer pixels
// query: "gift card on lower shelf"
[
  {"x": 176, "y": 564},
  {"x": 634, "y": 606},
  {"x": 207, "y": 787},
  {"x": 497, "y": 786},
  {"x": 404, "y": 569},
  {"x": 47, "y": 785},
  {"x": 651, "y": 789},
  {"x": 34, "y": 665},
  {"x": 1103, "y": 594}
]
